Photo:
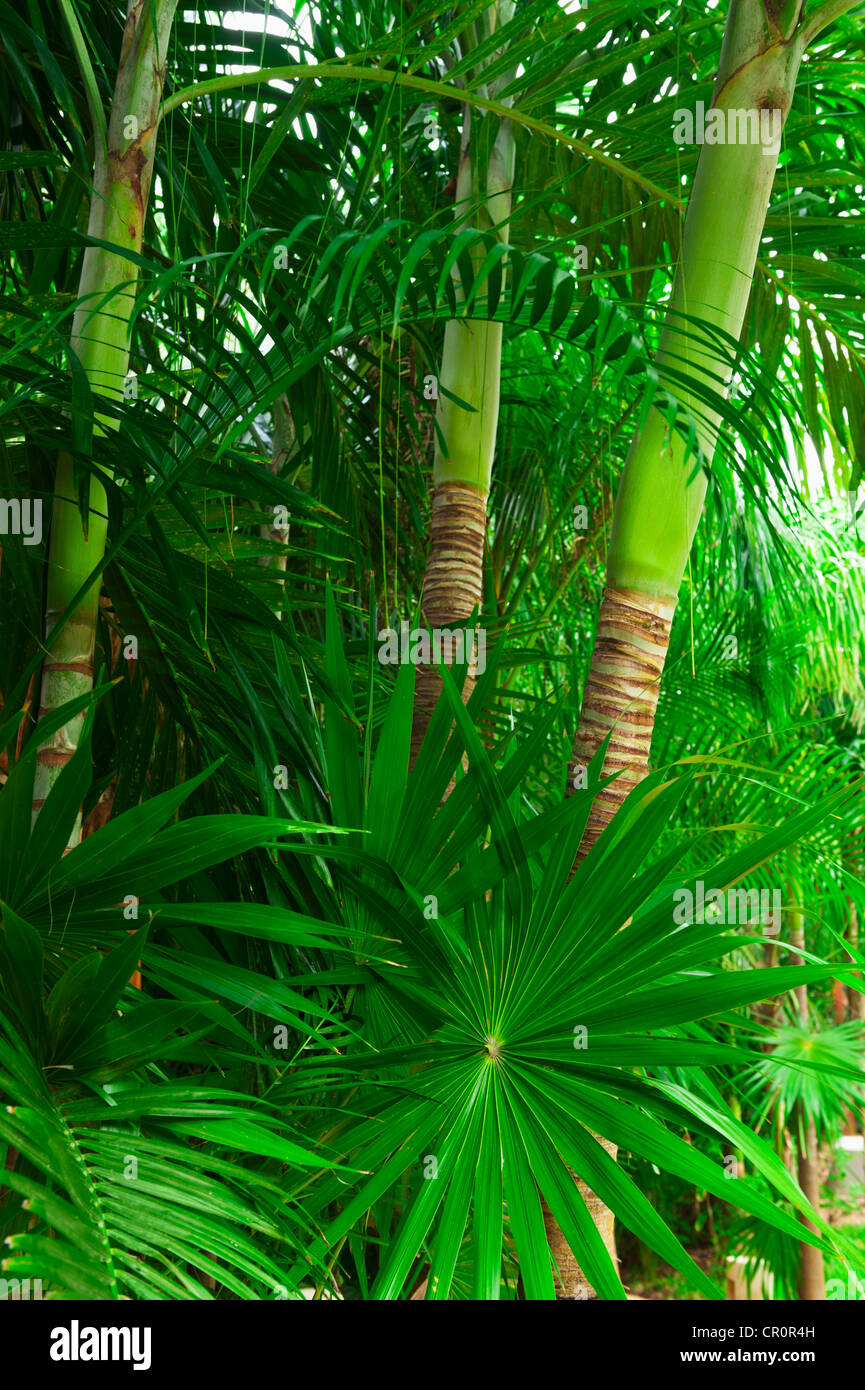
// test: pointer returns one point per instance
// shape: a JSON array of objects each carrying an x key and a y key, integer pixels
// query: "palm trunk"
[
  {"x": 856, "y": 997},
  {"x": 570, "y": 1281},
  {"x": 100, "y": 339},
  {"x": 659, "y": 503},
  {"x": 621, "y": 694},
  {"x": 452, "y": 585},
  {"x": 471, "y": 371},
  {"x": 812, "y": 1278}
]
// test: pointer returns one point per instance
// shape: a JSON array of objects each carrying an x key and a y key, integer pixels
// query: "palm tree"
[
  {"x": 663, "y": 487},
  {"x": 125, "y": 149},
  {"x": 468, "y": 387},
  {"x": 380, "y": 1026}
]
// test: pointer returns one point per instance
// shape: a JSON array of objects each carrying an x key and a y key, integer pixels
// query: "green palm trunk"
[
  {"x": 471, "y": 371},
  {"x": 100, "y": 338},
  {"x": 659, "y": 501}
]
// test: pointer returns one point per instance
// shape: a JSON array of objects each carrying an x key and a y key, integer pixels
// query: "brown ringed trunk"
[
  {"x": 453, "y": 585},
  {"x": 571, "y": 1283},
  {"x": 812, "y": 1278},
  {"x": 621, "y": 694}
]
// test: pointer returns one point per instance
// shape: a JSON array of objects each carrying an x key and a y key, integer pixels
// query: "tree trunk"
[
  {"x": 660, "y": 496},
  {"x": 571, "y": 1283},
  {"x": 100, "y": 339},
  {"x": 452, "y": 585},
  {"x": 621, "y": 694},
  {"x": 470, "y": 371},
  {"x": 856, "y": 997},
  {"x": 812, "y": 1280}
]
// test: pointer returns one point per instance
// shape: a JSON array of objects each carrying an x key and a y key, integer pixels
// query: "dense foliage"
[{"x": 280, "y": 1011}]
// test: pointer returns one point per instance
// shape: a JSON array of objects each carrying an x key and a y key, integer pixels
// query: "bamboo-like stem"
[
  {"x": 100, "y": 340},
  {"x": 465, "y": 439},
  {"x": 660, "y": 496}
]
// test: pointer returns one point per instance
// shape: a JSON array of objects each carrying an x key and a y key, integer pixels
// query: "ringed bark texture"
[
  {"x": 453, "y": 585},
  {"x": 856, "y": 999},
  {"x": 66, "y": 674},
  {"x": 621, "y": 694},
  {"x": 812, "y": 1276},
  {"x": 123, "y": 170},
  {"x": 571, "y": 1282}
]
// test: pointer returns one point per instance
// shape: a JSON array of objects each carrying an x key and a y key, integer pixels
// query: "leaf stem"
[
  {"x": 825, "y": 15},
  {"x": 94, "y": 101},
  {"x": 445, "y": 91}
]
